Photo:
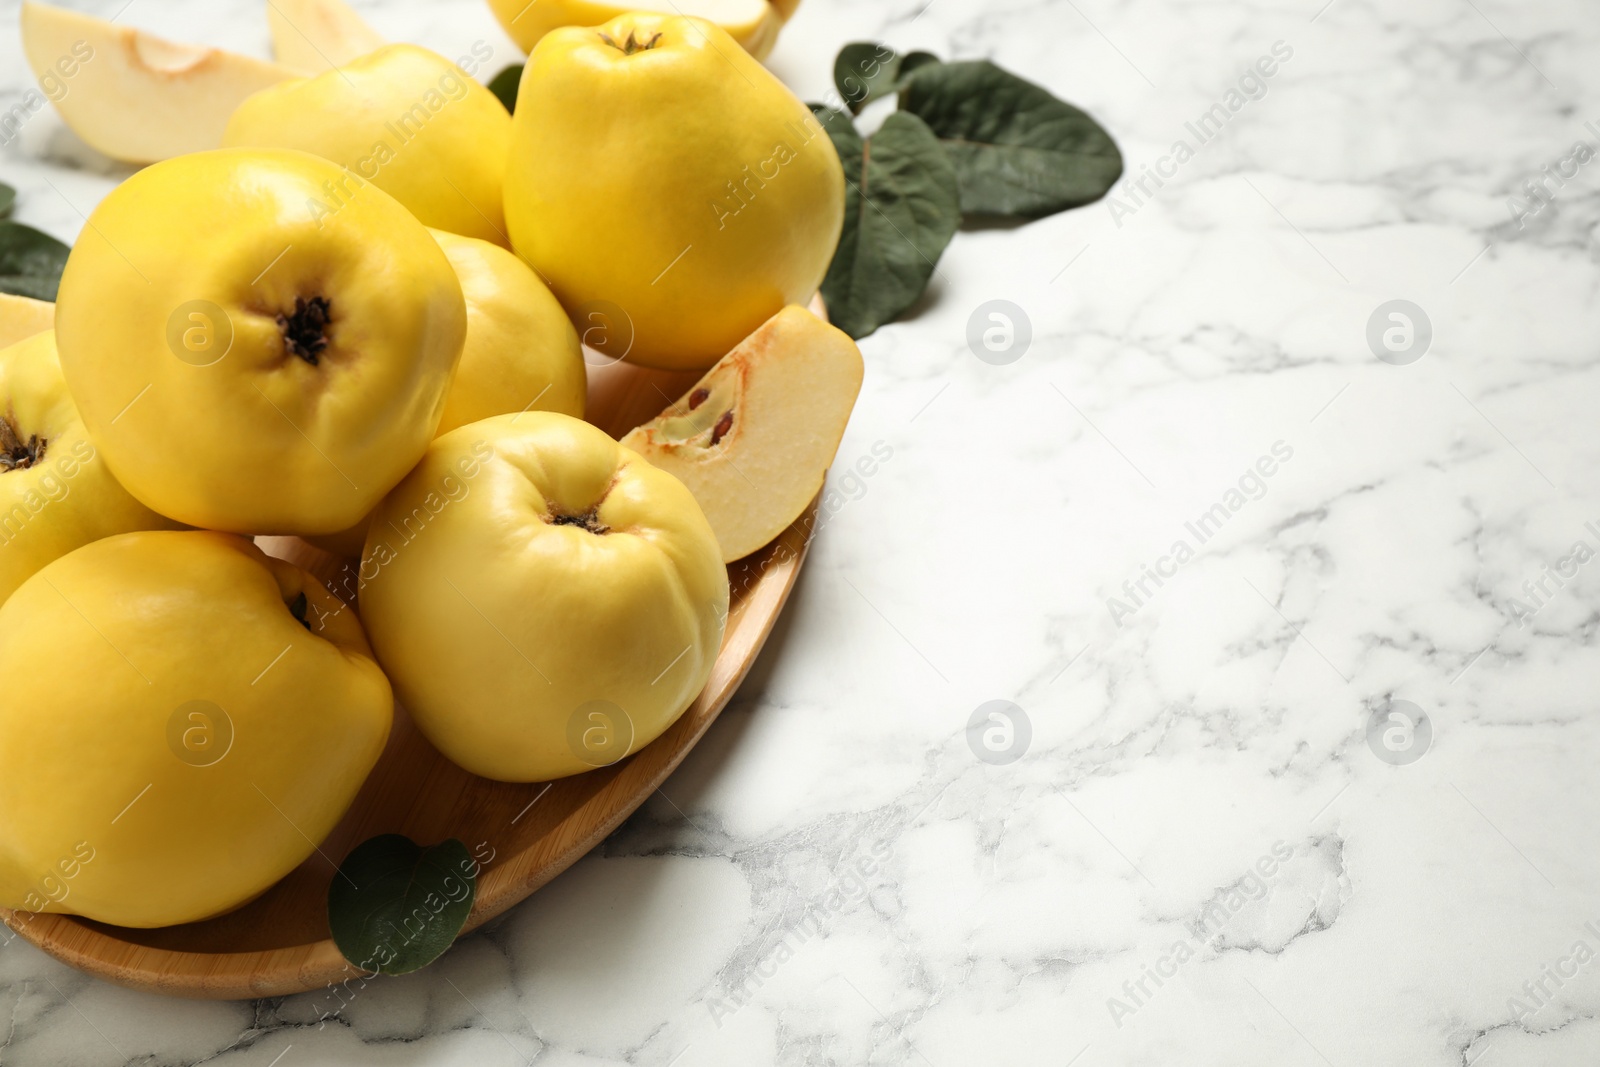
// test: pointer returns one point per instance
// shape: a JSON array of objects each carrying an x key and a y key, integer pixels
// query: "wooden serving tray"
[{"x": 279, "y": 944}]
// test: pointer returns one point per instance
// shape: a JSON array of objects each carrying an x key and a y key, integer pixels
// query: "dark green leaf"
[
  {"x": 902, "y": 206},
  {"x": 8, "y": 199},
  {"x": 1017, "y": 149},
  {"x": 865, "y": 71},
  {"x": 395, "y": 906},
  {"x": 505, "y": 86},
  {"x": 30, "y": 261}
]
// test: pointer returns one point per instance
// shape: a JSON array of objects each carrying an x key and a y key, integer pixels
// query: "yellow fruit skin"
[
  {"x": 498, "y": 625},
  {"x": 260, "y": 440},
  {"x": 110, "y": 804},
  {"x": 684, "y": 184},
  {"x": 67, "y": 498},
  {"x": 785, "y": 8},
  {"x": 522, "y": 353},
  {"x": 403, "y": 118},
  {"x": 527, "y": 24}
]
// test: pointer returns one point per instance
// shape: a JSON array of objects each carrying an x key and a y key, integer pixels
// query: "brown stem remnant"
[
  {"x": 16, "y": 454},
  {"x": 589, "y": 520},
  {"x": 632, "y": 44},
  {"x": 305, "y": 333}
]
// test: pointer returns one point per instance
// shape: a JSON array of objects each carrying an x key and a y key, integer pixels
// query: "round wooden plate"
[{"x": 278, "y": 944}]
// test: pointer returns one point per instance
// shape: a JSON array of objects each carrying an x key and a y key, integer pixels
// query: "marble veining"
[{"x": 1204, "y": 853}]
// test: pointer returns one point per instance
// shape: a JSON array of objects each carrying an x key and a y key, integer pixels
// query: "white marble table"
[{"x": 1201, "y": 856}]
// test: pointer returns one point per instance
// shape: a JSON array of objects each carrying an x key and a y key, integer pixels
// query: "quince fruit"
[
  {"x": 244, "y": 366},
  {"x": 754, "y": 24},
  {"x": 522, "y": 353},
  {"x": 664, "y": 175},
  {"x": 55, "y": 491},
  {"x": 185, "y": 718},
  {"x": 544, "y": 600},
  {"x": 132, "y": 95},
  {"x": 22, "y": 317},
  {"x": 754, "y": 438},
  {"x": 403, "y": 118}
]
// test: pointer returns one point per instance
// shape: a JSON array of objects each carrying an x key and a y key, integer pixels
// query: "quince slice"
[
  {"x": 132, "y": 95},
  {"x": 21, "y": 317},
  {"x": 754, "y": 438},
  {"x": 318, "y": 35}
]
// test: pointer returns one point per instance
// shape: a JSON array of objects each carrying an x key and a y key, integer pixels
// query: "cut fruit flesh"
[
  {"x": 753, "y": 439},
  {"x": 316, "y": 35},
  {"x": 21, "y": 317},
  {"x": 134, "y": 96}
]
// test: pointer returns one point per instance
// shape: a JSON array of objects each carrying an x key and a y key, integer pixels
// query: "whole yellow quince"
[
  {"x": 522, "y": 353},
  {"x": 543, "y": 599},
  {"x": 403, "y": 118},
  {"x": 246, "y": 366},
  {"x": 56, "y": 493},
  {"x": 754, "y": 24},
  {"x": 185, "y": 719},
  {"x": 667, "y": 181}
]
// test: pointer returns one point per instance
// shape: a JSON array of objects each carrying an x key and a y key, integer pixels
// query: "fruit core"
[
  {"x": 709, "y": 417},
  {"x": 298, "y": 608},
  {"x": 632, "y": 44},
  {"x": 589, "y": 520},
  {"x": 305, "y": 333},
  {"x": 15, "y": 453}
]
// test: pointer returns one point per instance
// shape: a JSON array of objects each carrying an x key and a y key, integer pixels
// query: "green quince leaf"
[
  {"x": 395, "y": 906},
  {"x": 902, "y": 207},
  {"x": 1017, "y": 149},
  {"x": 30, "y": 261}
]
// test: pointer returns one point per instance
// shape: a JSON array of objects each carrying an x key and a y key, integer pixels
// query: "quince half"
[
  {"x": 754, "y": 438},
  {"x": 23, "y": 316},
  {"x": 317, "y": 35},
  {"x": 132, "y": 95}
]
